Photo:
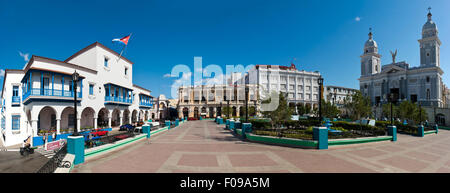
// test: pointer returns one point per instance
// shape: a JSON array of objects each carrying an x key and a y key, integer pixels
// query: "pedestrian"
[
  {"x": 44, "y": 138},
  {"x": 54, "y": 136}
]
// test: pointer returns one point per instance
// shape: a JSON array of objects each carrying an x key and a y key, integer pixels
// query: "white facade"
[
  {"x": 300, "y": 87},
  {"x": 106, "y": 94},
  {"x": 422, "y": 84},
  {"x": 337, "y": 94}
]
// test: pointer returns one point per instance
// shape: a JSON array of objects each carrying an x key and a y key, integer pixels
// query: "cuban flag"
[{"x": 123, "y": 40}]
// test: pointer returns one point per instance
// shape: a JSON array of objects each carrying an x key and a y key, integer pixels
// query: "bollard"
[
  {"x": 75, "y": 146},
  {"x": 232, "y": 125},
  {"x": 167, "y": 124},
  {"x": 392, "y": 131},
  {"x": 420, "y": 131},
  {"x": 246, "y": 128},
  {"x": 321, "y": 135},
  {"x": 177, "y": 122},
  {"x": 437, "y": 128},
  {"x": 146, "y": 129}
]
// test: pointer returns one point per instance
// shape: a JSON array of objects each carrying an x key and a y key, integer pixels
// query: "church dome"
[
  {"x": 429, "y": 25},
  {"x": 370, "y": 42}
]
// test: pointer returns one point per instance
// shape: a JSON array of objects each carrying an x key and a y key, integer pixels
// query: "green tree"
[
  {"x": 227, "y": 111},
  {"x": 357, "y": 105},
  {"x": 280, "y": 115},
  {"x": 329, "y": 110}
]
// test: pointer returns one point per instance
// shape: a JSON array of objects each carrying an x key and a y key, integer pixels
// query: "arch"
[
  {"x": 102, "y": 117},
  {"x": 141, "y": 115},
  {"x": 115, "y": 118},
  {"x": 234, "y": 111},
  {"x": 153, "y": 115},
  {"x": 219, "y": 111},
  {"x": 134, "y": 116},
  {"x": 203, "y": 110},
  {"x": 211, "y": 112},
  {"x": 87, "y": 118},
  {"x": 46, "y": 119},
  {"x": 185, "y": 112},
  {"x": 196, "y": 114},
  {"x": 68, "y": 119},
  {"x": 126, "y": 117}
]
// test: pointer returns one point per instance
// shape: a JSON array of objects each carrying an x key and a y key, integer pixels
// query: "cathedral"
[{"x": 398, "y": 81}]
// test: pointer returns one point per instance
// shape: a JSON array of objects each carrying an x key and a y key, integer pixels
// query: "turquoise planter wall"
[
  {"x": 420, "y": 131},
  {"x": 75, "y": 146},
  {"x": 320, "y": 134},
  {"x": 392, "y": 131}
]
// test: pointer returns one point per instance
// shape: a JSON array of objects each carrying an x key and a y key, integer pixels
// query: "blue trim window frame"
[
  {"x": 91, "y": 89},
  {"x": 105, "y": 61},
  {"x": 15, "y": 120},
  {"x": 15, "y": 91}
]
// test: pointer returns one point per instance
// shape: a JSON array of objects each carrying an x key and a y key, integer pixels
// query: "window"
[
  {"x": 91, "y": 89},
  {"x": 15, "y": 90},
  {"x": 106, "y": 62},
  {"x": 126, "y": 71},
  {"x": 70, "y": 85},
  {"x": 15, "y": 122}
]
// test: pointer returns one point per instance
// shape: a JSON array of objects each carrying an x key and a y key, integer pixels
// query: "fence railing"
[
  {"x": 118, "y": 99},
  {"x": 50, "y": 92},
  {"x": 56, "y": 161}
]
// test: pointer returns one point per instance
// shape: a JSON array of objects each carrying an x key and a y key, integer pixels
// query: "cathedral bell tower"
[
  {"x": 370, "y": 60},
  {"x": 429, "y": 44}
]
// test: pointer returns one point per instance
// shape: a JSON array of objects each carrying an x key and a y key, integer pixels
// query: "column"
[
  {"x": 58, "y": 126},
  {"x": 95, "y": 122},
  {"x": 78, "y": 124},
  {"x": 109, "y": 121},
  {"x": 34, "y": 127},
  {"x": 120, "y": 120}
]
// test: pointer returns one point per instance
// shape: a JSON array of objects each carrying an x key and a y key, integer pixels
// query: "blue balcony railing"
[
  {"x": 50, "y": 92},
  {"x": 15, "y": 99},
  {"x": 147, "y": 104},
  {"x": 109, "y": 99}
]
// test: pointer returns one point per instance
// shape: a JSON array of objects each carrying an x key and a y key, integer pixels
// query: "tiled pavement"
[{"x": 203, "y": 146}]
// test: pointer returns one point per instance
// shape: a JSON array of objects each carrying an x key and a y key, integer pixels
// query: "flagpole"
[{"x": 124, "y": 48}]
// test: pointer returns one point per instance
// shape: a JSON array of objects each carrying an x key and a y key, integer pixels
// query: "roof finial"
[
  {"x": 429, "y": 13},
  {"x": 370, "y": 33}
]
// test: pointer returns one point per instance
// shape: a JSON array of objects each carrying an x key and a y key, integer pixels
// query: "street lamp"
[
  {"x": 320, "y": 82},
  {"x": 75, "y": 78},
  {"x": 246, "y": 102}
]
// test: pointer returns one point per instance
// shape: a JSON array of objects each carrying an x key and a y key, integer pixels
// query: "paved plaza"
[{"x": 204, "y": 146}]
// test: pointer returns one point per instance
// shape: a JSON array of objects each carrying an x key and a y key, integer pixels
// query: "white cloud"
[
  {"x": 25, "y": 56},
  {"x": 357, "y": 19}
]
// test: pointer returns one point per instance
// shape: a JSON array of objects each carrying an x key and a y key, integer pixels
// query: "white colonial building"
[
  {"x": 422, "y": 84},
  {"x": 301, "y": 87},
  {"x": 337, "y": 94},
  {"x": 41, "y": 95}
]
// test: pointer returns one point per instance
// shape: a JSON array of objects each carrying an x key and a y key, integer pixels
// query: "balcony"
[
  {"x": 118, "y": 100},
  {"x": 40, "y": 93},
  {"x": 145, "y": 104}
]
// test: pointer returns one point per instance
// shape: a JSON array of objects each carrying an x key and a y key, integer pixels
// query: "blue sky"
[{"x": 322, "y": 35}]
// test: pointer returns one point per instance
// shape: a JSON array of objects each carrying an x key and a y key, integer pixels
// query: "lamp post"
[
  {"x": 320, "y": 81},
  {"x": 246, "y": 102},
  {"x": 75, "y": 77}
]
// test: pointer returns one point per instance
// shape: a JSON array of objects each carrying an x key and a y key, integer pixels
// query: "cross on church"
[{"x": 429, "y": 9}]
